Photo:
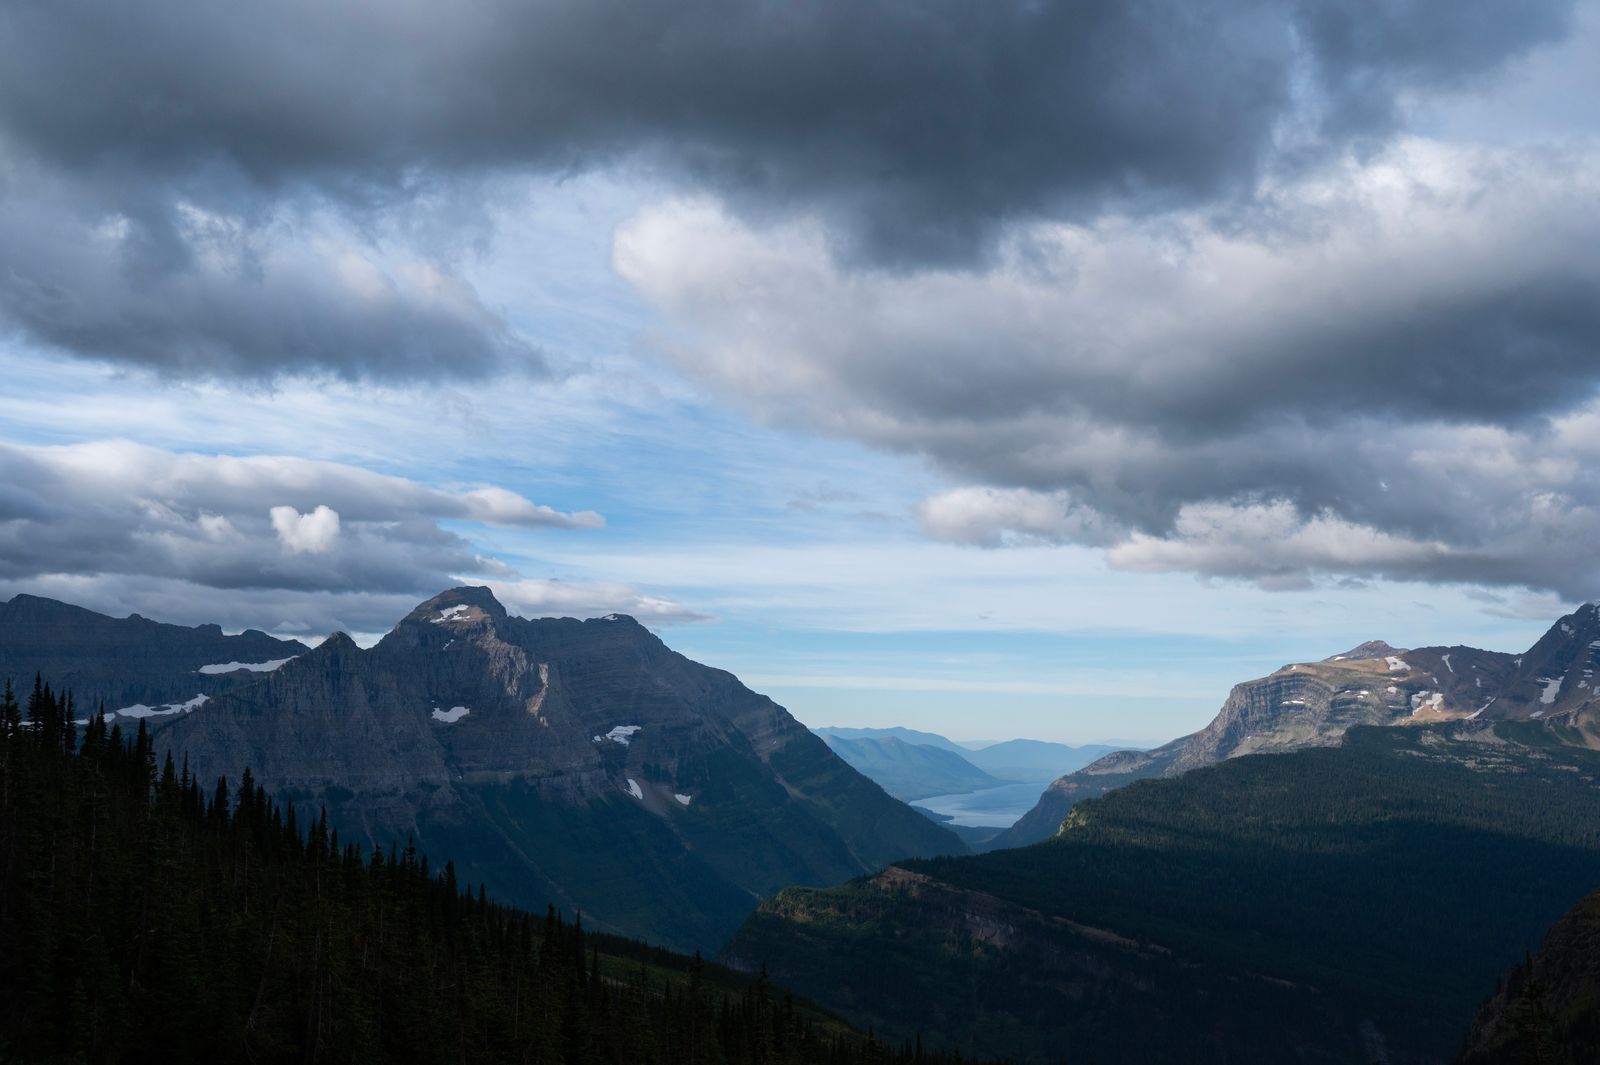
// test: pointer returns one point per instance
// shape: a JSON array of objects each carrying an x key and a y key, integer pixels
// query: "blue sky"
[{"x": 1068, "y": 469}]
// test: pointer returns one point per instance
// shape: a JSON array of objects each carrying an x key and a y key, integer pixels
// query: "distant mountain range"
[
  {"x": 910, "y": 771},
  {"x": 1008, "y": 761},
  {"x": 1312, "y": 704},
  {"x": 576, "y": 762}
]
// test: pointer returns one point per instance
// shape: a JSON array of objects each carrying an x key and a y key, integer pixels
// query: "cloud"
[
  {"x": 1274, "y": 544},
  {"x": 546, "y": 598},
  {"x": 496, "y": 506},
  {"x": 217, "y": 190},
  {"x": 121, "y": 528},
  {"x": 1385, "y": 368},
  {"x": 313, "y": 533},
  {"x": 116, "y": 509},
  {"x": 990, "y": 517},
  {"x": 222, "y": 291}
]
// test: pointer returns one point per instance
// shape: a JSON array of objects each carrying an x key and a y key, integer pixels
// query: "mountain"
[
  {"x": 576, "y": 762},
  {"x": 133, "y": 664},
  {"x": 1332, "y": 904},
  {"x": 911, "y": 771},
  {"x": 1312, "y": 704},
  {"x": 905, "y": 735},
  {"x": 1033, "y": 761},
  {"x": 1547, "y": 1009}
]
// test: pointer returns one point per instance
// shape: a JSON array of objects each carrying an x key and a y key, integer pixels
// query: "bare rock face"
[
  {"x": 576, "y": 762},
  {"x": 130, "y": 662},
  {"x": 1313, "y": 704}
]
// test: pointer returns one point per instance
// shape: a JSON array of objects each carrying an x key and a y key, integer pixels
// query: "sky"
[{"x": 999, "y": 369}]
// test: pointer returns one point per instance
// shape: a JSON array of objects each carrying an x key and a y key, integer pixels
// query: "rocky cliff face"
[
  {"x": 580, "y": 762},
  {"x": 128, "y": 663},
  {"x": 1313, "y": 704}
]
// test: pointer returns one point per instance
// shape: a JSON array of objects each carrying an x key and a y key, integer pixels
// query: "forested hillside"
[
  {"x": 1339, "y": 904},
  {"x": 1547, "y": 1008},
  {"x": 144, "y": 918}
]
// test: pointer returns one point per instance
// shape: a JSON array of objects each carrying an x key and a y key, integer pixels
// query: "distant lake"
[{"x": 990, "y": 808}]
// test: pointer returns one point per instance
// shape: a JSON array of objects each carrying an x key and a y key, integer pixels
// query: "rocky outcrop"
[
  {"x": 129, "y": 662},
  {"x": 579, "y": 762}
]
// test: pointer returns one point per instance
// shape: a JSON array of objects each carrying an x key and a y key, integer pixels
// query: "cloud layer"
[
  {"x": 1390, "y": 370},
  {"x": 1175, "y": 280},
  {"x": 216, "y": 189},
  {"x": 265, "y": 541}
]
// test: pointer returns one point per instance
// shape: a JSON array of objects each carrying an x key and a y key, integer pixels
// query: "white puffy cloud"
[
  {"x": 497, "y": 506},
  {"x": 585, "y": 599},
  {"x": 990, "y": 517},
  {"x": 313, "y": 533},
  {"x": 1275, "y": 545}
]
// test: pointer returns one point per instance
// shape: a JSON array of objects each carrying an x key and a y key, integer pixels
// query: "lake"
[{"x": 990, "y": 808}]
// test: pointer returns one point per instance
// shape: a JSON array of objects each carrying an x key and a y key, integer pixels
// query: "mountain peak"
[
  {"x": 1369, "y": 650},
  {"x": 338, "y": 640},
  {"x": 458, "y": 604}
]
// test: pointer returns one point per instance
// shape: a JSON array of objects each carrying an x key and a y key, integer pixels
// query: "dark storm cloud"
[
  {"x": 197, "y": 139},
  {"x": 192, "y": 292},
  {"x": 958, "y": 113}
]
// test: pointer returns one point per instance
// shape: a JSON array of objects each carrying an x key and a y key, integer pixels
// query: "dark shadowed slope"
[
  {"x": 1335, "y": 904},
  {"x": 1547, "y": 1008}
]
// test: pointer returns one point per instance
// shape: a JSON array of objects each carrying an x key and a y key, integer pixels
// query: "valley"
[{"x": 1249, "y": 870}]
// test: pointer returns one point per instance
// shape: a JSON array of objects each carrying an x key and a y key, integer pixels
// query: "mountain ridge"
[
  {"x": 134, "y": 663},
  {"x": 1310, "y": 704}
]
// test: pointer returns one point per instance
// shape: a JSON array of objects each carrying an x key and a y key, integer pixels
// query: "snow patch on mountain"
[
  {"x": 622, "y": 734},
  {"x": 141, "y": 710},
  {"x": 452, "y": 715},
  {"x": 254, "y": 667},
  {"x": 1421, "y": 701}
]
